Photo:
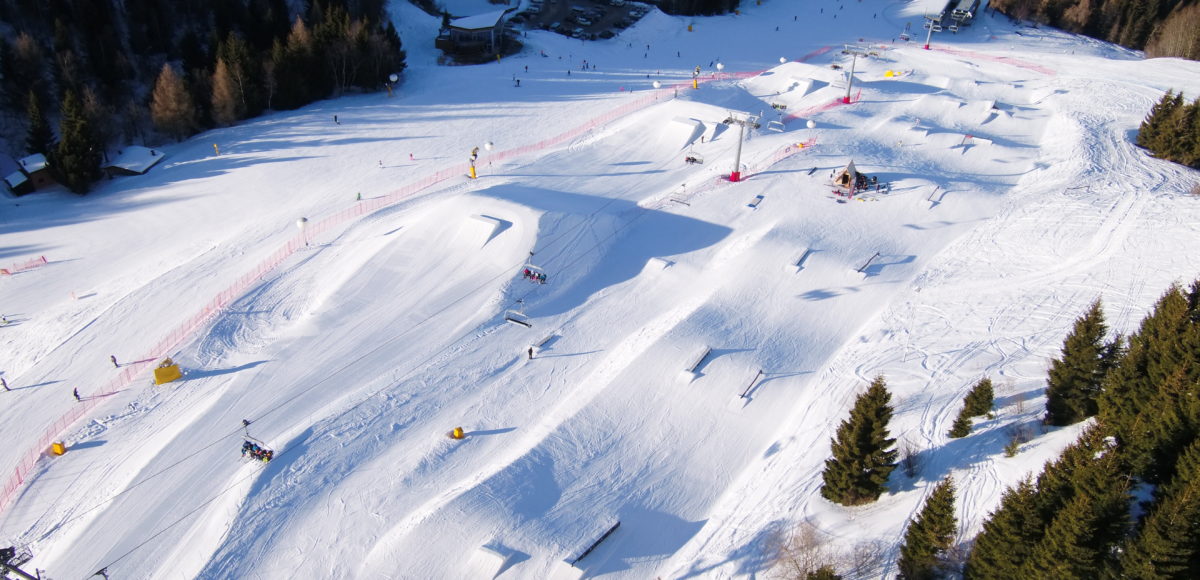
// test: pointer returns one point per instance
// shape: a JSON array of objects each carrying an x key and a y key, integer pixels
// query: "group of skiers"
[
  {"x": 535, "y": 277},
  {"x": 254, "y": 451}
]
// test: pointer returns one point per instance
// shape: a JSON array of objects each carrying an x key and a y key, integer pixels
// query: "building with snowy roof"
[
  {"x": 133, "y": 160},
  {"x": 483, "y": 33},
  {"x": 37, "y": 169}
]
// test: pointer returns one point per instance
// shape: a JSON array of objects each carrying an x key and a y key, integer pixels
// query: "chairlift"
[
  {"x": 776, "y": 126},
  {"x": 517, "y": 315},
  {"x": 533, "y": 272},
  {"x": 691, "y": 157},
  {"x": 256, "y": 449}
]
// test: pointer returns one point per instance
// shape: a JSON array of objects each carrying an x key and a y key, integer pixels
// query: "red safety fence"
[
  {"x": 203, "y": 316},
  {"x": 977, "y": 56},
  {"x": 26, "y": 265}
]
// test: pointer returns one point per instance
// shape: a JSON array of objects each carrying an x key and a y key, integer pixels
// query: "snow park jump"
[{"x": 359, "y": 354}]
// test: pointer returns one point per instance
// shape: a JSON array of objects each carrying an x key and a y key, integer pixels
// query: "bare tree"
[
  {"x": 911, "y": 460},
  {"x": 1178, "y": 35},
  {"x": 800, "y": 552}
]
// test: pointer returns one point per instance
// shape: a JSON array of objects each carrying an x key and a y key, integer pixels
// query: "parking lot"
[{"x": 584, "y": 19}]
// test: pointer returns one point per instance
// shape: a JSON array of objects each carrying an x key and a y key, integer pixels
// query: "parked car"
[{"x": 583, "y": 21}]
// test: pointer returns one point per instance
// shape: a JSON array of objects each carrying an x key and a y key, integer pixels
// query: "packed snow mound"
[{"x": 685, "y": 362}]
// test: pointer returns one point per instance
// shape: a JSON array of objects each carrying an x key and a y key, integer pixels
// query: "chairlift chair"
[
  {"x": 517, "y": 315},
  {"x": 776, "y": 126}
]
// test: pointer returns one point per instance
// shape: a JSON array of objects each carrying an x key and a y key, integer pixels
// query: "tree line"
[
  {"x": 122, "y": 72},
  {"x": 1123, "y": 501},
  {"x": 698, "y": 7},
  {"x": 1159, "y": 27},
  {"x": 1172, "y": 130}
]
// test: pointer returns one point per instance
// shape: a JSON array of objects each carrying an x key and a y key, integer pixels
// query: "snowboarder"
[
  {"x": 381, "y": 164},
  {"x": 4, "y": 383},
  {"x": 76, "y": 394},
  {"x": 359, "y": 198},
  {"x": 410, "y": 157},
  {"x": 113, "y": 358},
  {"x": 531, "y": 353}
]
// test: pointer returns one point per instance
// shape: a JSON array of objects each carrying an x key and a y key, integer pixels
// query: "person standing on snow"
[
  {"x": 113, "y": 358},
  {"x": 531, "y": 353},
  {"x": 76, "y": 394}
]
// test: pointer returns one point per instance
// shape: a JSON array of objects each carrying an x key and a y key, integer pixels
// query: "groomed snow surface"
[{"x": 360, "y": 351}]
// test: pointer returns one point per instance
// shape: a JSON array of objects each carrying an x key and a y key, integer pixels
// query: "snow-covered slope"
[{"x": 1017, "y": 199}]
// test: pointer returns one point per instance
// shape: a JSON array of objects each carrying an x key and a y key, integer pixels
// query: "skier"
[
  {"x": 113, "y": 358},
  {"x": 4, "y": 383},
  {"x": 76, "y": 393},
  {"x": 410, "y": 157},
  {"x": 531, "y": 353}
]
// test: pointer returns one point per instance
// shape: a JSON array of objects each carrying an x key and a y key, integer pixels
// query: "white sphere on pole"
[
  {"x": 811, "y": 124},
  {"x": 720, "y": 66},
  {"x": 782, "y": 60},
  {"x": 393, "y": 77},
  {"x": 302, "y": 223},
  {"x": 656, "y": 85},
  {"x": 488, "y": 145}
]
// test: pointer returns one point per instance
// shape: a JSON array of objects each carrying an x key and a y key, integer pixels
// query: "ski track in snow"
[{"x": 357, "y": 354}]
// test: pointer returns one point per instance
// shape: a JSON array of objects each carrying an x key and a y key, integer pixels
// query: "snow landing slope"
[{"x": 1016, "y": 200}]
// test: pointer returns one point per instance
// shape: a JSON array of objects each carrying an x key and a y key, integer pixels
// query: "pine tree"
[
  {"x": 1168, "y": 424},
  {"x": 1085, "y": 531},
  {"x": 1008, "y": 536},
  {"x": 863, "y": 455},
  {"x": 78, "y": 153},
  {"x": 930, "y": 535},
  {"x": 980, "y": 399},
  {"x": 823, "y": 573},
  {"x": 171, "y": 106},
  {"x": 961, "y": 426},
  {"x": 235, "y": 95},
  {"x": 1152, "y": 126},
  {"x": 1074, "y": 381},
  {"x": 40, "y": 138},
  {"x": 1066, "y": 550},
  {"x": 1168, "y": 545},
  {"x": 226, "y": 106},
  {"x": 1154, "y": 353}
]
